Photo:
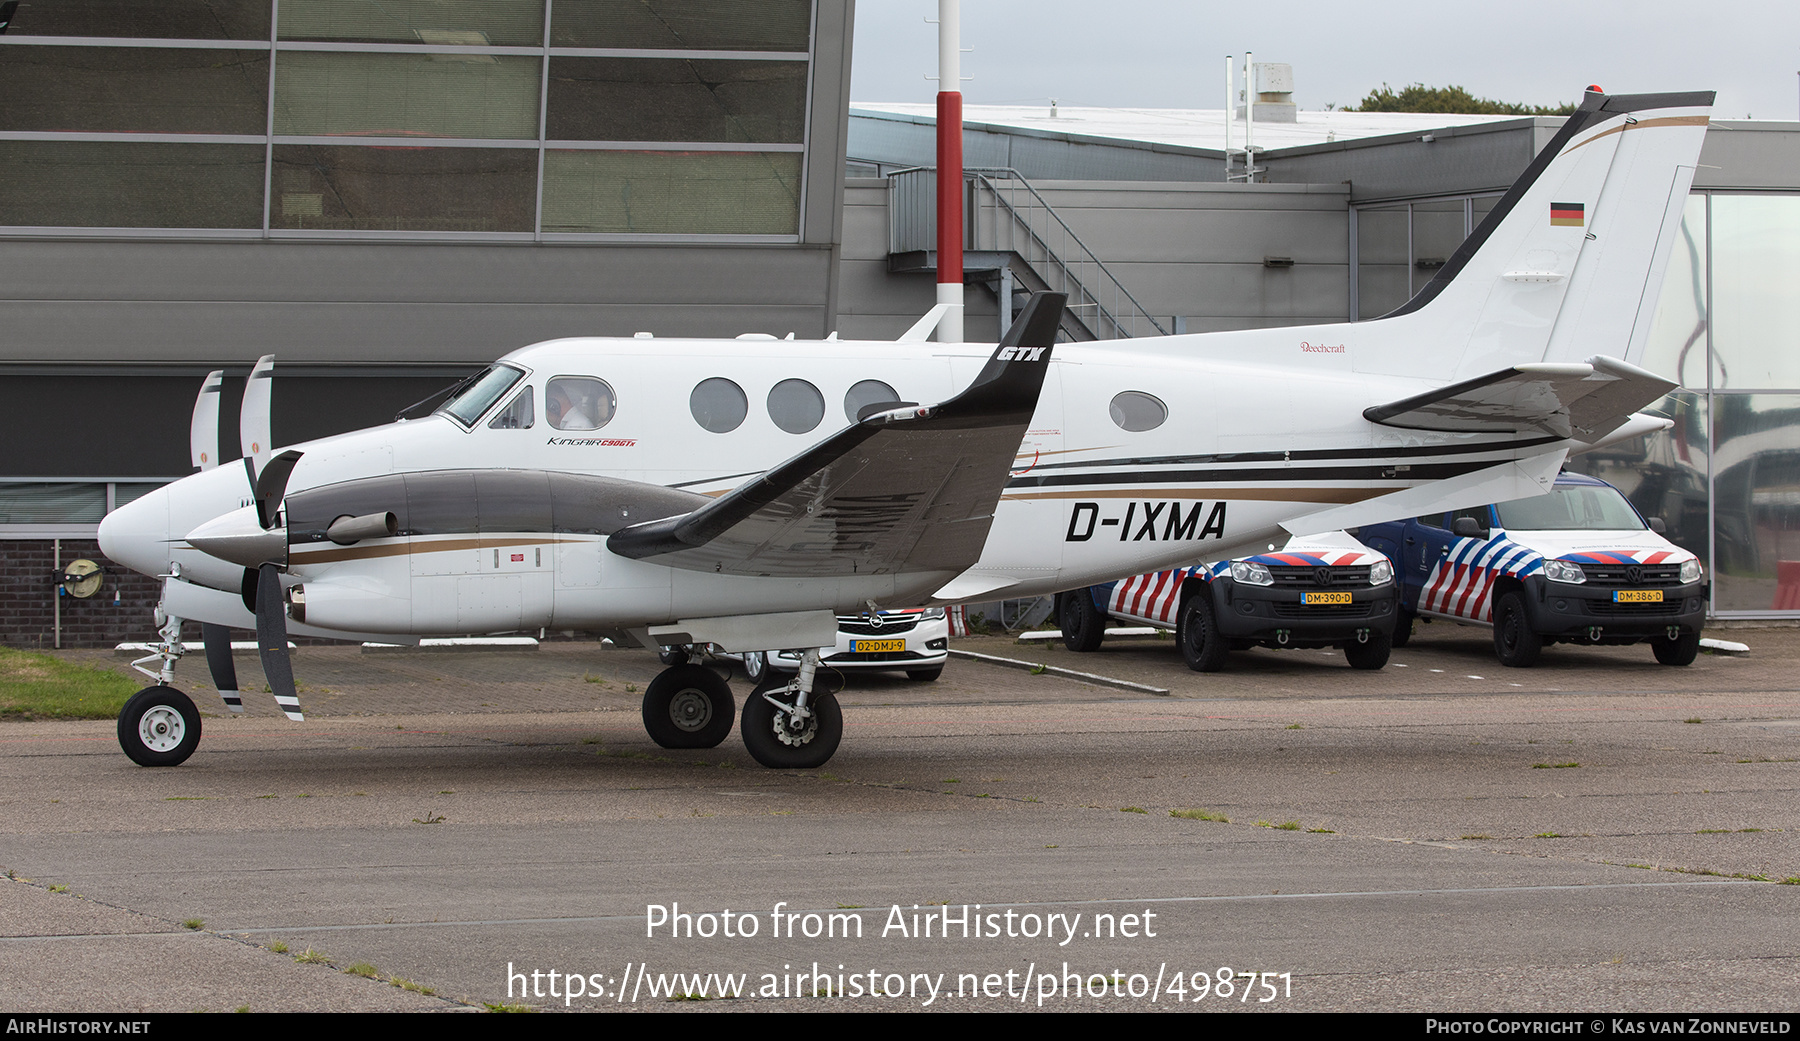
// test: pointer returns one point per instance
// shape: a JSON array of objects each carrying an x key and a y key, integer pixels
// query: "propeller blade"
[
  {"x": 271, "y": 487},
  {"x": 253, "y": 415},
  {"x": 272, "y": 640},
  {"x": 224, "y": 670},
  {"x": 203, "y": 434}
]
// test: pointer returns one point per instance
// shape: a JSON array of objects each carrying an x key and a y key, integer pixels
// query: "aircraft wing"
[
  {"x": 1583, "y": 401},
  {"x": 907, "y": 488}
]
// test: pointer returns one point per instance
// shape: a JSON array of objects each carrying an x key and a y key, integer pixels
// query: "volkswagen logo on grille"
[
  {"x": 1323, "y": 575},
  {"x": 1634, "y": 575}
]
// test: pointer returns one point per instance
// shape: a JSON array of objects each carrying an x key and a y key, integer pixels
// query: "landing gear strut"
[
  {"x": 787, "y": 726},
  {"x": 160, "y": 726}
]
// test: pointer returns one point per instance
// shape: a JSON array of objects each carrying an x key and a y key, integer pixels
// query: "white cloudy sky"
[{"x": 1170, "y": 53}]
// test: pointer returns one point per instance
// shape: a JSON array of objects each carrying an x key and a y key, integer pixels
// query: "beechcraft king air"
[{"x": 683, "y": 492}]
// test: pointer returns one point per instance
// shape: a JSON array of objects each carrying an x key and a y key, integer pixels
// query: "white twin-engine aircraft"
[{"x": 679, "y": 492}]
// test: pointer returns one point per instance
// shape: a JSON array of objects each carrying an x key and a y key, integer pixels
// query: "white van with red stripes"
[
  {"x": 1579, "y": 565},
  {"x": 1322, "y": 591}
]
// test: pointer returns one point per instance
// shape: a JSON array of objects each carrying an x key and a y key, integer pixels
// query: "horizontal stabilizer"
[
  {"x": 865, "y": 500},
  {"x": 1584, "y": 401},
  {"x": 1514, "y": 479}
]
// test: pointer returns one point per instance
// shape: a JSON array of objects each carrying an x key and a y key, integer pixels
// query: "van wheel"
[
  {"x": 1083, "y": 626},
  {"x": 1198, "y": 633},
  {"x": 1515, "y": 643},
  {"x": 1403, "y": 628},
  {"x": 1682, "y": 650},
  {"x": 1371, "y": 654}
]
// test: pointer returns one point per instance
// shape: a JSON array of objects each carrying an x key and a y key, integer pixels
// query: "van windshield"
[
  {"x": 481, "y": 392},
  {"x": 1573, "y": 508}
]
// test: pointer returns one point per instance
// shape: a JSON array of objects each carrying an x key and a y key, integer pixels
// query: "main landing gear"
[{"x": 786, "y": 724}]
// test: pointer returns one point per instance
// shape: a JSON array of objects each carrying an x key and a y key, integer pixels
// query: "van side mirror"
[
  {"x": 1657, "y": 525},
  {"x": 1467, "y": 527}
]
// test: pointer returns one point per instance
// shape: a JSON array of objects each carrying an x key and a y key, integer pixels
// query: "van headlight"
[
  {"x": 1251, "y": 573},
  {"x": 1691, "y": 571},
  {"x": 1381, "y": 571},
  {"x": 1563, "y": 571}
]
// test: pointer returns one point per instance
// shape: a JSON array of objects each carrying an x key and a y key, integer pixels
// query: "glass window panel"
[
  {"x": 796, "y": 406},
  {"x": 85, "y": 184},
  {"x": 718, "y": 405},
  {"x": 1756, "y": 504},
  {"x": 1136, "y": 411},
  {"x": 1756, "y": 312},
  {"x": 579, "y": 403},
  {"x": 701, "y": 193},
  {"x": 1677, "y": 344},
  {"x": 406, "y": 95},
  {"x": 346, "y": 188},
  {"x": 866, "y": 393},
  {"x": 1437, "y": 231},
  {"x": 1381, "y": 260},
  {"x": 1663, "y": 474},
  {"x": 27, "y": 503},
  {"x": 727, "y": 25},
  {"x": 164, "y": 19},
  {"x": 513, "y": 23},
  {"x": 134, "y": 90},
  {"x": 517, "y": 415},
  {"x": 644, "y": 99}
]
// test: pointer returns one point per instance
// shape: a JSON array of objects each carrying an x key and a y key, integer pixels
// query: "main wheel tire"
[
  {"x": 924, "y": 675},
  {"x": 1515, "y": 643},
  {"x": 756, "y": 665},
  {"x": 159, "y": 726},
  {"x": 1403, "y": 628},
  {"x": 1371, "y": 654},
  {"x": 1083, "y": 626},
  {"x": 1682, "y": 650},
  {"x": 688, "y": 706},
  {"x": 1198, "y": 633},
  {"x": 777, "y": 746}
]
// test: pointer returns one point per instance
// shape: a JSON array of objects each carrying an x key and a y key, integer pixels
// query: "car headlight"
[
  {"x": 1691, "y": 571},
  {"x": 1381, "y": 571},
  {"x": 1251, "y": 573},
  {"x": 932, "y": 614},
  {"x": 1563, "y": 571}
]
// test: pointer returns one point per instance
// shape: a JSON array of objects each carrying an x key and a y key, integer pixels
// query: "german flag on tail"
[{"x": 1567, "y": 215}]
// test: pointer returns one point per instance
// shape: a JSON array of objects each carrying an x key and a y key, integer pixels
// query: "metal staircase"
[{"x": 1011, "y": 232}]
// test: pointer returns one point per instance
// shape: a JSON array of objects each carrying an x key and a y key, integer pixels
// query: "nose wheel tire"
[
  {"x": 776, "y": 740},
  {"x": 688, "y": 706},
  {"x": 159, "y": 726}
]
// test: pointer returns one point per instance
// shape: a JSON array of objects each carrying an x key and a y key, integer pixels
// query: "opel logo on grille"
[
  {"x": 1634, "y": 575},
  {"x": 875, "y": 621},
  {"x": 1323, "y": 575}
]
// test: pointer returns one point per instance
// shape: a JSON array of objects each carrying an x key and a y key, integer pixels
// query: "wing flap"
[{"x": 910, "y": 488}]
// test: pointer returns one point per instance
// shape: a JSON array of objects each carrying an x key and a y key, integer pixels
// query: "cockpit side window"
[
  {"x": 579, "y": 403},
  {"x": 485, "y": 389},
  {"x": 519, "y": 414}
]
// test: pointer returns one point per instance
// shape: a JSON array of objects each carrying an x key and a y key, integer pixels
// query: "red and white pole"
[{"x": 950, "y": 172}]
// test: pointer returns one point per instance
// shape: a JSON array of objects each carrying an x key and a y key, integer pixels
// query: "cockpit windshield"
[
  {"x": 1571, "y": 508},
  {"x": 485, "y": 389}
]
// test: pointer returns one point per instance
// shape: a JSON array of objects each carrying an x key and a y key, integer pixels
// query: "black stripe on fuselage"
[
  {"x": 1266, "y": 474},
  {"x": 1307, "y": 455}
]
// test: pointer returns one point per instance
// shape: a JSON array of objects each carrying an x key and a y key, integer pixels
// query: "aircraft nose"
[{"x": 137, "y": 534}]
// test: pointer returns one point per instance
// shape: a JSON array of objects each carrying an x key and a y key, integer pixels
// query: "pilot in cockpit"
[{"x": 578, "y": 403}]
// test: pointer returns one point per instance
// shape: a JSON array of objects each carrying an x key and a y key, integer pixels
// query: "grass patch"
[
  {"x": 1132, "y": 809},
  {"x": 1692, "y": 719},
  {"x": 1476, "y": 838},
  {"x": 279, "y": 947},
  {"x": 1320, "y": 831},
  {"x": 312, "y": 957},
  {"x": 1288, "y": 826},
  {"x": 38, "y": 686},
  {"x": 1554, "y": 766},
  {"x": 498, "y": 1006},
  {"x": 365, "y": 970},
  {"x": 1194, "y": 813},
  {"x": 406, "y": 984},
  {"x": 193, "y": 923}
]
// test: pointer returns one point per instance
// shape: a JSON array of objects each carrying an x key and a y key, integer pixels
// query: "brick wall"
[{"x": 28, "y": 599}]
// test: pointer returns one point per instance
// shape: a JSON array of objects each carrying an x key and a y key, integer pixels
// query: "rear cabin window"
[
  {"x": 718, "y": 405},
  {"x": 1137, "y": 411}
]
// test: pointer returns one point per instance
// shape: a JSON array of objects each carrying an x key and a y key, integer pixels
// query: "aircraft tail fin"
[{"x": 1569, "y": 262}]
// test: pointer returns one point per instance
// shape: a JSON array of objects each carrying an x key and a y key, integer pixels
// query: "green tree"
[{"x": 1452, "y": 100}]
